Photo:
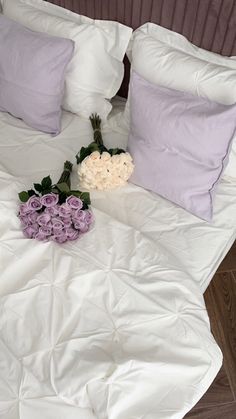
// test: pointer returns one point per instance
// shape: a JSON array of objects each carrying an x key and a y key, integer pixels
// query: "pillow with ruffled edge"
[
  {"x": 167, "y": 58},
  {"x": 96, "y": 70}
]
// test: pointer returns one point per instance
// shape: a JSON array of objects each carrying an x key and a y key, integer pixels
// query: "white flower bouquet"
[{"x": 102, "y": 168}]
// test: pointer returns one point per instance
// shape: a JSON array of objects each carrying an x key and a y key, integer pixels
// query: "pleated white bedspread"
[{"x": 112, "y": 326}]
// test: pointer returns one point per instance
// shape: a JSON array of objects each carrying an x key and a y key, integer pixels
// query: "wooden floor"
[{"x": 220, "y": 297}]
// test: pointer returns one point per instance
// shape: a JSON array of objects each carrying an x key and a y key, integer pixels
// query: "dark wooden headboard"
[{"x": 209, "y": 24}]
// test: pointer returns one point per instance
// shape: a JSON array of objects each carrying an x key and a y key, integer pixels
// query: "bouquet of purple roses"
[{"x": 55, "y": 212}]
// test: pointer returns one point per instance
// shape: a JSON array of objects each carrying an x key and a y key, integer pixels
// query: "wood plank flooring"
[{"x": 220, "y": 297}]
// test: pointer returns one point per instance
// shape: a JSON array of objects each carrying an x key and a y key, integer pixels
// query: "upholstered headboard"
[{"x": 210, "y": 24}]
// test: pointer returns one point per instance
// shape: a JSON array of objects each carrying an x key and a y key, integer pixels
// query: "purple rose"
[
  {"x": 79, "y": 215},
  {"x": 32, "y": 216},
  {"x": 52, "y": 210},
  {"x": 57, "y": 225},
  {"x": 41, "y": 235},
  {"x": 49, "y": 200},
  {"x": 59, "y": 238},
  {"x": 31, "y": 231},
  {"x": 43, "y": 219},
  {"x": 89, "y": 218},
  {"x": 46, "y": 230},
  {"x": 34, "y": 203},
  {"x": 71, "y": 233},
  {"x": 64, "y": 210},
  {"x": 25, "y": 220},
  {"x": 74, "y": 202},
  {"x": 82, "y": 226},
  {"x": 66, "y": 221},
  {"x": 24, "y": 209}
]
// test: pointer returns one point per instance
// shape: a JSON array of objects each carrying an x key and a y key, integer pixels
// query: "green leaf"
[
  {"x": 102, "y": 148},
  {"x": 63, "y": 187},
  {"x": 31, "y": 192},
  {"x": 85, "y": 198},
  {"x": 84, "y": 152},
  {"x": 38, "y": 187},
  {"x": 46, "y": 183},
  {"x": 76, "y": 193},
  {"x": 93, "y": 147},
  {"x": 114, "y": 151},
  {"x": 23, "y": 196},
  {"x": 78, "y": 158},
  {"x": 62, "y": 197}
]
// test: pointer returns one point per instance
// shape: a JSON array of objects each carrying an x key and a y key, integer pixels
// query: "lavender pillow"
[
  {"x": 180, "y": 144},
  {"x": 32, "y": 71}
]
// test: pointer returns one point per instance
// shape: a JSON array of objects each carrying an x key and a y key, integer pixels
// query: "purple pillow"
[
  {"x": 32, "y": 71},
  {"x": 180, "y": 144}
]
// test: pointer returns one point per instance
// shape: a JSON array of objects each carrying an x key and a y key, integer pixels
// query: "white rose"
[
  {"x": 116, "y": 159},
  {"x": 88, "y": 162},
  {"x": 105, "y": 156},
  {"x": 95, "y": 155},
  {"x": 90, "y": 174},
  {"x": 82, "y": 167},
  {"x": 127, "y": 157},
  {"x": 86, "y": 185}
]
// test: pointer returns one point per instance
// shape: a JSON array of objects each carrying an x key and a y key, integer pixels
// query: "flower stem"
[
  {"x": 96, "y": 124},
  {"x": 65, "y": 176}
]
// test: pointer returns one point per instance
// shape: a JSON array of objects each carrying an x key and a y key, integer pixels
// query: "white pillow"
[
  {"x": 166, "y": 58},
  {"x": 96, "y": 70}
]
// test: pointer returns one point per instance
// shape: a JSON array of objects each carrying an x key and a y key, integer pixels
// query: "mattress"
[{"x": 114, "y": 325}]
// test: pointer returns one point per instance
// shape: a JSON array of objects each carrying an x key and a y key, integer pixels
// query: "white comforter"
[{"x": 112, "y": 326}]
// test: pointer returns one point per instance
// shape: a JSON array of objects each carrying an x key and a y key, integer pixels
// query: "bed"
[{"x": 114, "y": 325}]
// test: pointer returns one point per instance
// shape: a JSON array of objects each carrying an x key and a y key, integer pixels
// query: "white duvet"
[{"x": 112, "y": 326}]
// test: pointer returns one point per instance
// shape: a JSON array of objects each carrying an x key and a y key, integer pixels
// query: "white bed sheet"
[{"x": 112, "y": 326}]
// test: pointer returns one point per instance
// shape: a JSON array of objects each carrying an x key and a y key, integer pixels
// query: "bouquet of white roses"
[{"x": 102, "y": 168}]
